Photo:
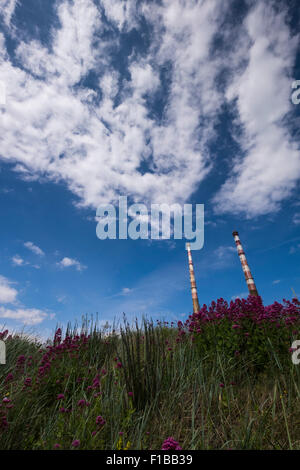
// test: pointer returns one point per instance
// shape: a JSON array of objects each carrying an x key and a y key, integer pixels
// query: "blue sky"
[{"x": 165, "y": 102}]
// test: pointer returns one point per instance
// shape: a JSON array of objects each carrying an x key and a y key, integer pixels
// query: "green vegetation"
[{"x": 91, "y": 390}]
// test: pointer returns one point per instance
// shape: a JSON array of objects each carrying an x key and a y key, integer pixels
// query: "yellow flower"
[
  {"x": 127, "y": 446},
  {"x": 119, "y": 445}
]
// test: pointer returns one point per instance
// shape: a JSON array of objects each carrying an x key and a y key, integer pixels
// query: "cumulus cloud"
[
  {"x": 34, "y": 248},
  {"x": 104, "y": 141},
  {"x": 68, "y": 262},
  {"x": 98, "y": 148},
  {"x": 27, "y": 316},
  {"x": 8, "y": 294}
]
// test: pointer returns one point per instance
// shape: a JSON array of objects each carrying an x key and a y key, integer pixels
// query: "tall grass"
[{"x": 90, "y": 390}]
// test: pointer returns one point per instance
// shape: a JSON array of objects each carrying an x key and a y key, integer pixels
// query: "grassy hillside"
[{"x": 222, "y": 380}]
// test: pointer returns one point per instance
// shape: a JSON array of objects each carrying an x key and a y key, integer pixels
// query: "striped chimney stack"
[
  {"x": 196, "y": 307},
  {"x": 249, "y": 279}
]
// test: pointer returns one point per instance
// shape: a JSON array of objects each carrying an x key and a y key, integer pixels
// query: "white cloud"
[
  {"x": 296, "y": 218},
  {"x": 18, "y": 261},
  {"x": 122, "y": 14},
  {"x": 68, "y": 262},
  {"x": 36, "y": 266},
  {"x": 224, "y": 251},
  {"x": 8, "y": 294},
  {"x": 34, "y": 248},
  {"x": 277, "y": 281},
  {"x": 28, "y": 316},
  {"x": 97, "y": 149},
  {"x": 242, "y": 295},
  {"x": 7, "y": 9},
  {"x": 61, "y": 298},
  {"x": 52, "y": 128},
  {"x": 271, "y": 167},
  {"x": 126, "y": 290},
  {"x": 210, "y": 222}
]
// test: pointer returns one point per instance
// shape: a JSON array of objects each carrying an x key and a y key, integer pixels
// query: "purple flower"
[
  {"x": 60, "y": 396},
  {"x": 130, "y": 394},
  {"x": 9, "y": 377},
  {"x": 76, "y": 443},
  {"x": 57, "y": 446},
  {"x": 100, "y": 421},
  {"x": 221, "y": 385},
  {"x": 170, "y": 444},
  {"x": 81, "y": 403},
  {"x": 27, "y": 382}
]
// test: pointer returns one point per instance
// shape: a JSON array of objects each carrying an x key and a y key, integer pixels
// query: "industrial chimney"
[
  {"x": 196, "y": 307},
  {"x": 249, "y": 279}
]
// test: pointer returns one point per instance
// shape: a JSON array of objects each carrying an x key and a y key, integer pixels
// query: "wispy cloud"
[
  {"x": 277, "y": 281},
  {"x": 296, "y": 218},
  {"x": 294, "y": 248},
  {"x": 18, "y": 261},
  {"x": 150, "y": 295},
  {"x": 126, "y": 291},
  {"x": 34, "y": 248},
  {"x": 262, "y": 178},
  {"x": 224, "y": 251},
  {"x": 70, "y": 262},
  {"x": 242, "y": 295},
  {"x": 7, "y": 8},
  {"x": 61, "y": 298}
]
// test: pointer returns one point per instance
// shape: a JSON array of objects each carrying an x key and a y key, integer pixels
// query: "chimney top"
[{"x": 235, "y": 233}]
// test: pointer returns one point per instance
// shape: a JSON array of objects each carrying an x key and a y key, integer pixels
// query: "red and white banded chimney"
[
  {"x": 249, "y": 279},
  {"x": 196, "y": 307}
]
